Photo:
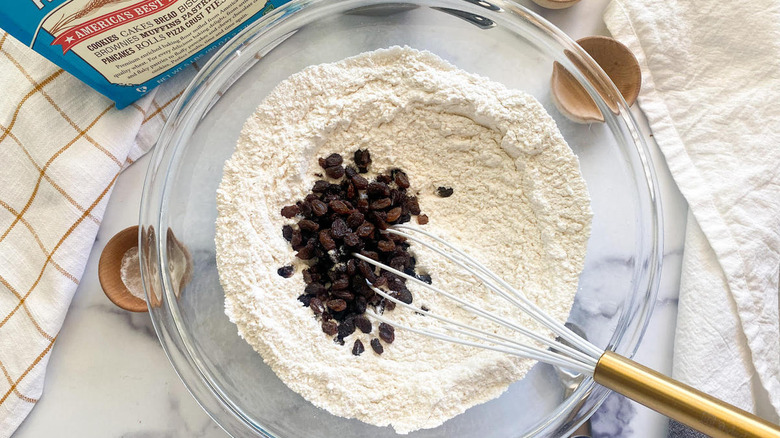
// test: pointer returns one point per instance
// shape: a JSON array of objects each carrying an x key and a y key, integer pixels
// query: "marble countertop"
[{"x": 108, "y": 375}]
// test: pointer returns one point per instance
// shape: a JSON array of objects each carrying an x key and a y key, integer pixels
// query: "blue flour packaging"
[{"x": 124, "y": 48}]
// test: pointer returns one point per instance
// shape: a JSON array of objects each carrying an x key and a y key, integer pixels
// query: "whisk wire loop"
[
  {"x": 577, "y": 357},
  {"x": 539, "y": 355},
  {"x": 463, "y": 260}
]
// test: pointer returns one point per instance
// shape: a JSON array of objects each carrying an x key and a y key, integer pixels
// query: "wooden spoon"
[
  {"x": 555, "y": 4},
  {"x": 109, "y": 268},
  {"x": 618, "y": 63}
]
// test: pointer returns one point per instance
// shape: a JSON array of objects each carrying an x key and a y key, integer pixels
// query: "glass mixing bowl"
[{"x": 497, "y": 39}]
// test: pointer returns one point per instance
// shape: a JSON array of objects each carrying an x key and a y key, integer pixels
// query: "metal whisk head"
[
  {"x": 654, "y": 390},
  {"x": 579, "y": 355}
]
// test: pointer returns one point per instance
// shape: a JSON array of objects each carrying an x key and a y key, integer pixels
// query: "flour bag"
[{"x": 124, "y": 48}]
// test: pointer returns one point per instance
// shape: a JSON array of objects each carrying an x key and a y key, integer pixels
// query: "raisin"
[
  {"x": 320, "y": 186},
  {"x": 350, "y": 171},
  {"x": 351, "y": 239},
  {"x": 346, "y": 328},
  {"x": 393, "y": 214},
  {"x": 341, "y": 283},
  {"x": 330, "y": 327},
  {"x": 296, "y": 241},
  {"x": 380, "y": 281},
  {"x": 339, "y": 207},
  {"x": 362, "y": 205},
  {"x": 308, "y": 225},
  {"x": 290, "y": 211},
  {"x": 305, "y": 299},
  {"x": 305, "y": 208},
  {"x": 361, "y": 303},
  {"x": 373, "y": 255},
  {"x": 339, "y": 228},
  {"x": 425, "y": 278},
  {"x": 362, "y": 160},
  {"x": 333, "y": 160},
  {"x": 422, "y": 219},
  {"x": 377, "y": 217},
  {"x": 367, "y": 270},
  {"x": 386, "y": 245},
  {"x": 401, "y": 180},
  {"x": 363, "y": 324},
  {"x": 307, "y": 252},
  {"x": 318, "y": 207},
  {"x": 315, "y": 289},
  {"x": 359, "y": 182},
  {"x": 287, "y": 232},
  {"x": 358, "y": 348},
  {"x": 365, "y": 229},
  {"x": 355, "y": 219},
  {"x": 316, "y": 306},
  {"x": 403, "y": 295},
  {"x": 337, "y": 272},
  {"x": 396, "y": 238},
  {"x": 381, "y": 204},
  {"x": 375, "y": 300},
  {"x": 335, "y": 172},
  {"x": 444, "y": 192},
  {"x": 327, "y": 240},
  {"x": 343, "y": 294},
  {"x": 351, "y": 267},
  {"x": 337, "y": 305},
  {"x": 399, "y": 262},
  {"x": 386, "y": 332},
  {"x": 335, "y": 189},
  {"x": 377, "y": 346},
  {"x": 285, "y": 271},
  {"x": 384, "y": 178},
  {"x": 378, "y": 190},
  {"x": 413, "y": 205}
]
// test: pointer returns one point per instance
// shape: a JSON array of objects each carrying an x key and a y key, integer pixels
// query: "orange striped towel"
[{"x": 62, "y": 146}]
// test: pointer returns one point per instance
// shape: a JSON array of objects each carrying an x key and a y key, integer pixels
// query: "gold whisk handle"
[{"x": 681, "y": 402}]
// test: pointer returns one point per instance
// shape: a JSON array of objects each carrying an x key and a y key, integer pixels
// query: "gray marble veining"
[{"x": 108, "y": 376}]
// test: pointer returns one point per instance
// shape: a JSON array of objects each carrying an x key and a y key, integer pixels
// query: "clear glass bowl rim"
[{"x": 154, "y": 247}]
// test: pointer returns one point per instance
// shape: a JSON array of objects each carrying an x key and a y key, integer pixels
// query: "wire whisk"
[{"x": 570, "y": 351}]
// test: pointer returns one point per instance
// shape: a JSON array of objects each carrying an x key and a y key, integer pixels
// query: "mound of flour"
[{"x": 519, "y": 204}]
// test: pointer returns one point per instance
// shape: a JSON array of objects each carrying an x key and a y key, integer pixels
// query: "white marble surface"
[{"x": 108, "y": 375}]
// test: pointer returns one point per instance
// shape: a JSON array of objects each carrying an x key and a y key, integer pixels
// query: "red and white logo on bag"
[{"x": 106, "y": 22}]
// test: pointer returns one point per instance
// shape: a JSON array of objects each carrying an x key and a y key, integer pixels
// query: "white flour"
[
  {"x": 519, "y": 203},
  {"x": 130, "y": 273}
]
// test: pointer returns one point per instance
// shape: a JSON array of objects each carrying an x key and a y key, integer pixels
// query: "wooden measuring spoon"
[
  {"x": 109, "y": 268},
  {"x": 555, "y": 4},
  {"x": 618, "y": 63}
]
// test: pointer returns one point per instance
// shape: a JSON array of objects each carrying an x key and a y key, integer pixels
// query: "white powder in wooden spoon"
[{"x": 519, "y": 204}]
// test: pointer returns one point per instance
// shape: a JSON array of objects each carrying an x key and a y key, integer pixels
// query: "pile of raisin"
[{"x": 344, "y": 216}]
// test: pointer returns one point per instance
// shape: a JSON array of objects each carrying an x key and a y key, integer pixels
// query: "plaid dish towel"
[{"x": 62, "y": 147}]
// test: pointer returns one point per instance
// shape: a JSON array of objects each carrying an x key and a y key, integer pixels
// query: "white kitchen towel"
[
  {"x": 62, "y": 146},
  {"x": 711, "y": 87}
]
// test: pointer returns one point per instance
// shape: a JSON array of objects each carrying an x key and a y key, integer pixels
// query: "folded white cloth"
[
  {"x": 711, "y": 84},
  {"x": 62, "y": 146}
]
